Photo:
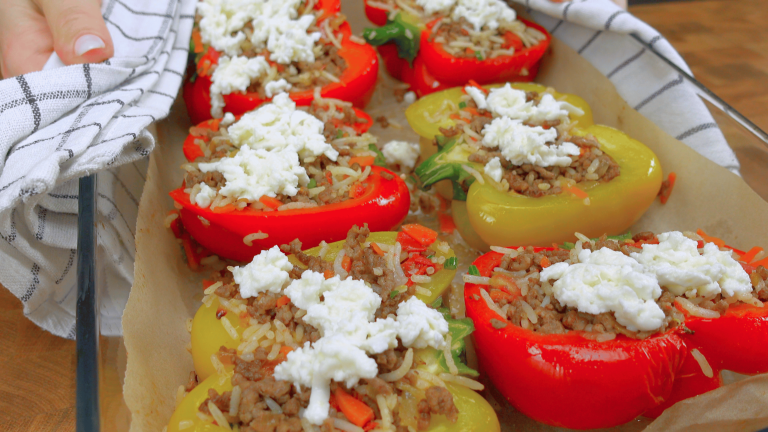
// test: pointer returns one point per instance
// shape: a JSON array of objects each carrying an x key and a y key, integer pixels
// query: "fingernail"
[{"x": 86, "y": 43}]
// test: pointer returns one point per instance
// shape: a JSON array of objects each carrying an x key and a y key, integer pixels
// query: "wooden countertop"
[{"x": 724, "y": 42}]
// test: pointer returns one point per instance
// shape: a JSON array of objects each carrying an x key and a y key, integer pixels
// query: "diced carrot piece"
[
  {"x": 270, "y": 202},
  {"x": 282, "y": 301},
  {"x": 228, "y": 208},
  {"x": 455, "y": 117},
  {"x": 197, "y": 40},
  {"x": 667, "y": 191},
  {"x": 469, "y": 51},
  {"x": 329, "y": 177},
  {"x": 357, "y": 191},
  {"x": 285, "y": 349},
  {"x": 207, "y": 283},
  {"x": 751, "y": 254},
  {"x": 377, "y": 249},
  {"x": 512, "y": 40},
  {"x": 363, "y": 161},
  {"x": 497, "y": 295},
  {"x": 346, "y": 263},
  {"x": 192, "y": 259},
  {"x": 356, "y": 411},
  {"x": 710, "y": 239},
  {"x": 545, "y": 262},
  {"x": 447, "y": 225},
  {"x": 422, "y": 234},
  {"x": 576, "y": 191},
  {"x": 328, "y": 274},
  {"x": 763, "y": 262},
  {"x": 214, "y": 124}
]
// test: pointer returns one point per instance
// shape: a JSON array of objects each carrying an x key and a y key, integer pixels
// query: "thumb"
[{"x": 79, "y": 32}]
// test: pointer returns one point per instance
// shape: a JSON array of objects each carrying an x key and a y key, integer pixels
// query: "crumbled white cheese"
[
  {"x": 508, "y": 102},
  {"x": 343, "y": 311},
  {"x": 205, "y": 196},
  {"x": 287, "y": 39},
  {"x": 608, "y": 281},
  {"x": 274, "y": 87},
  {"x": 478, "y": 96},
  {"x": 483, "y": 13},
  {"x": 228, "y": 119},
  {"x": 233, "y": 75},
  {"x": 251, "y": 174},
  {"x": 410, "y": 97},
  {"x": 420, "y": 325},
  {"x": 493, "y": 169},
  {"x": 549, "y": 109},
  {"x": 401, "y": 153},
  {"x": 520, "y": 144},
  {"x": 279, "y": 125},
  {"x": 330, "y": 358},
  {"x": 222, "y": 22},
  {"x": 680, "y": 267},
  {"x": 435, "y": 6},
  {"x": 267, "y": 272}
]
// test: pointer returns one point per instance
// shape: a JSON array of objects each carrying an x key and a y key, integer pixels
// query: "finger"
[
  {"x": 26, "y": 42},
  {"x": 79, "y": 32}
]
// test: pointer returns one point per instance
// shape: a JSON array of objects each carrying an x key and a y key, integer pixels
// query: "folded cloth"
[
  {"x": 600, "y": 31},
  {"x": 64, "y": 123}
]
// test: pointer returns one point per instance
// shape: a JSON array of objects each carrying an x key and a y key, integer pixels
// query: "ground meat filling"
[
  {"x": 344, "y": 139},
  {"x": 326, "y": 69},
  {"x": 554, "y": 318},
  {"x": 261, "y": 395},
  {"x": 592, "y": 164}
]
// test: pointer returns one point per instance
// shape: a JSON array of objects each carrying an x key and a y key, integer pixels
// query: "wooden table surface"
[{"x": 725, "y": 43}]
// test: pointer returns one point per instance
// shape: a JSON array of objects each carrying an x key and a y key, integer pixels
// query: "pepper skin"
[
  {"x": 356, "y": 84},
  {"x": 428, "y": 68},
  {"x": 208, "y": 333},
  {"x": 589, "y": 384},
  {"x": 508, "y": 218},
  {"x": 383, "y": 205}
]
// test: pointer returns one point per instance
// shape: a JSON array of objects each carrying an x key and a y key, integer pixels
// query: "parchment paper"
[{"x": 166, "y": 292}]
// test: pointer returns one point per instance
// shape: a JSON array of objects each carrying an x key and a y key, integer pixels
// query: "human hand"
[{"x": 30, "y": 30}]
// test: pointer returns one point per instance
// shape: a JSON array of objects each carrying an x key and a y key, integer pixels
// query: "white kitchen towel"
[
  {"x": 64, "y": 123},
  {"x": 600, "y": 31}
]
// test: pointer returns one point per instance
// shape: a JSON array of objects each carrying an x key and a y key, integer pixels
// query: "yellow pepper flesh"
[
  {"x": 509, "y": 219},
  {"x": 208, "y": 334}
]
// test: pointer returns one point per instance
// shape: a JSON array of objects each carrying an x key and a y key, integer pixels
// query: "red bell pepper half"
[
  {"x": 382, "y": 205},
  {"x": 356, "y": 84},
  {"x": 571, "y": 381},
  {"x": 427, "y": 67}
]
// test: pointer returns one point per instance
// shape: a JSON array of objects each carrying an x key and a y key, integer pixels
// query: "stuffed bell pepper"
[
  {"x": 344, "y": 337},
  {"x": 282, "y": 172},
  {"x": 527, "y": 166},
  {"x": 608, "y": 329},
  {"x": 244, "y": 53},
  {"x": 434, "y": 45}
]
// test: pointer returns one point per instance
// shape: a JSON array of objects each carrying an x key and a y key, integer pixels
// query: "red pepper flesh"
[{"x": 383, "y": 205}]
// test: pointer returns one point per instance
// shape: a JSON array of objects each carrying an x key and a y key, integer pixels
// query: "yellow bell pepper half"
[
  {"x": 484, "y": 215},
  {"x": 208, "y": 334}
]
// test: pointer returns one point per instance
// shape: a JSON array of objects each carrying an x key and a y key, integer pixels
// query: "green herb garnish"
[
  {"x": 473, "y": 271},
  {"x": 462, "y": 105},
  {"x": 451, "y": 263},
  {"x": 312, "y": 184}
]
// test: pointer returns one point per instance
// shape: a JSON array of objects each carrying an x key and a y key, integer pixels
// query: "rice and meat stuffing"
[
  {"x": 524, "y": 141},
  {"x": 266, "y": 403},
  {"x": 279, "y": 157},
  {"x": 524, "y": 299}
]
